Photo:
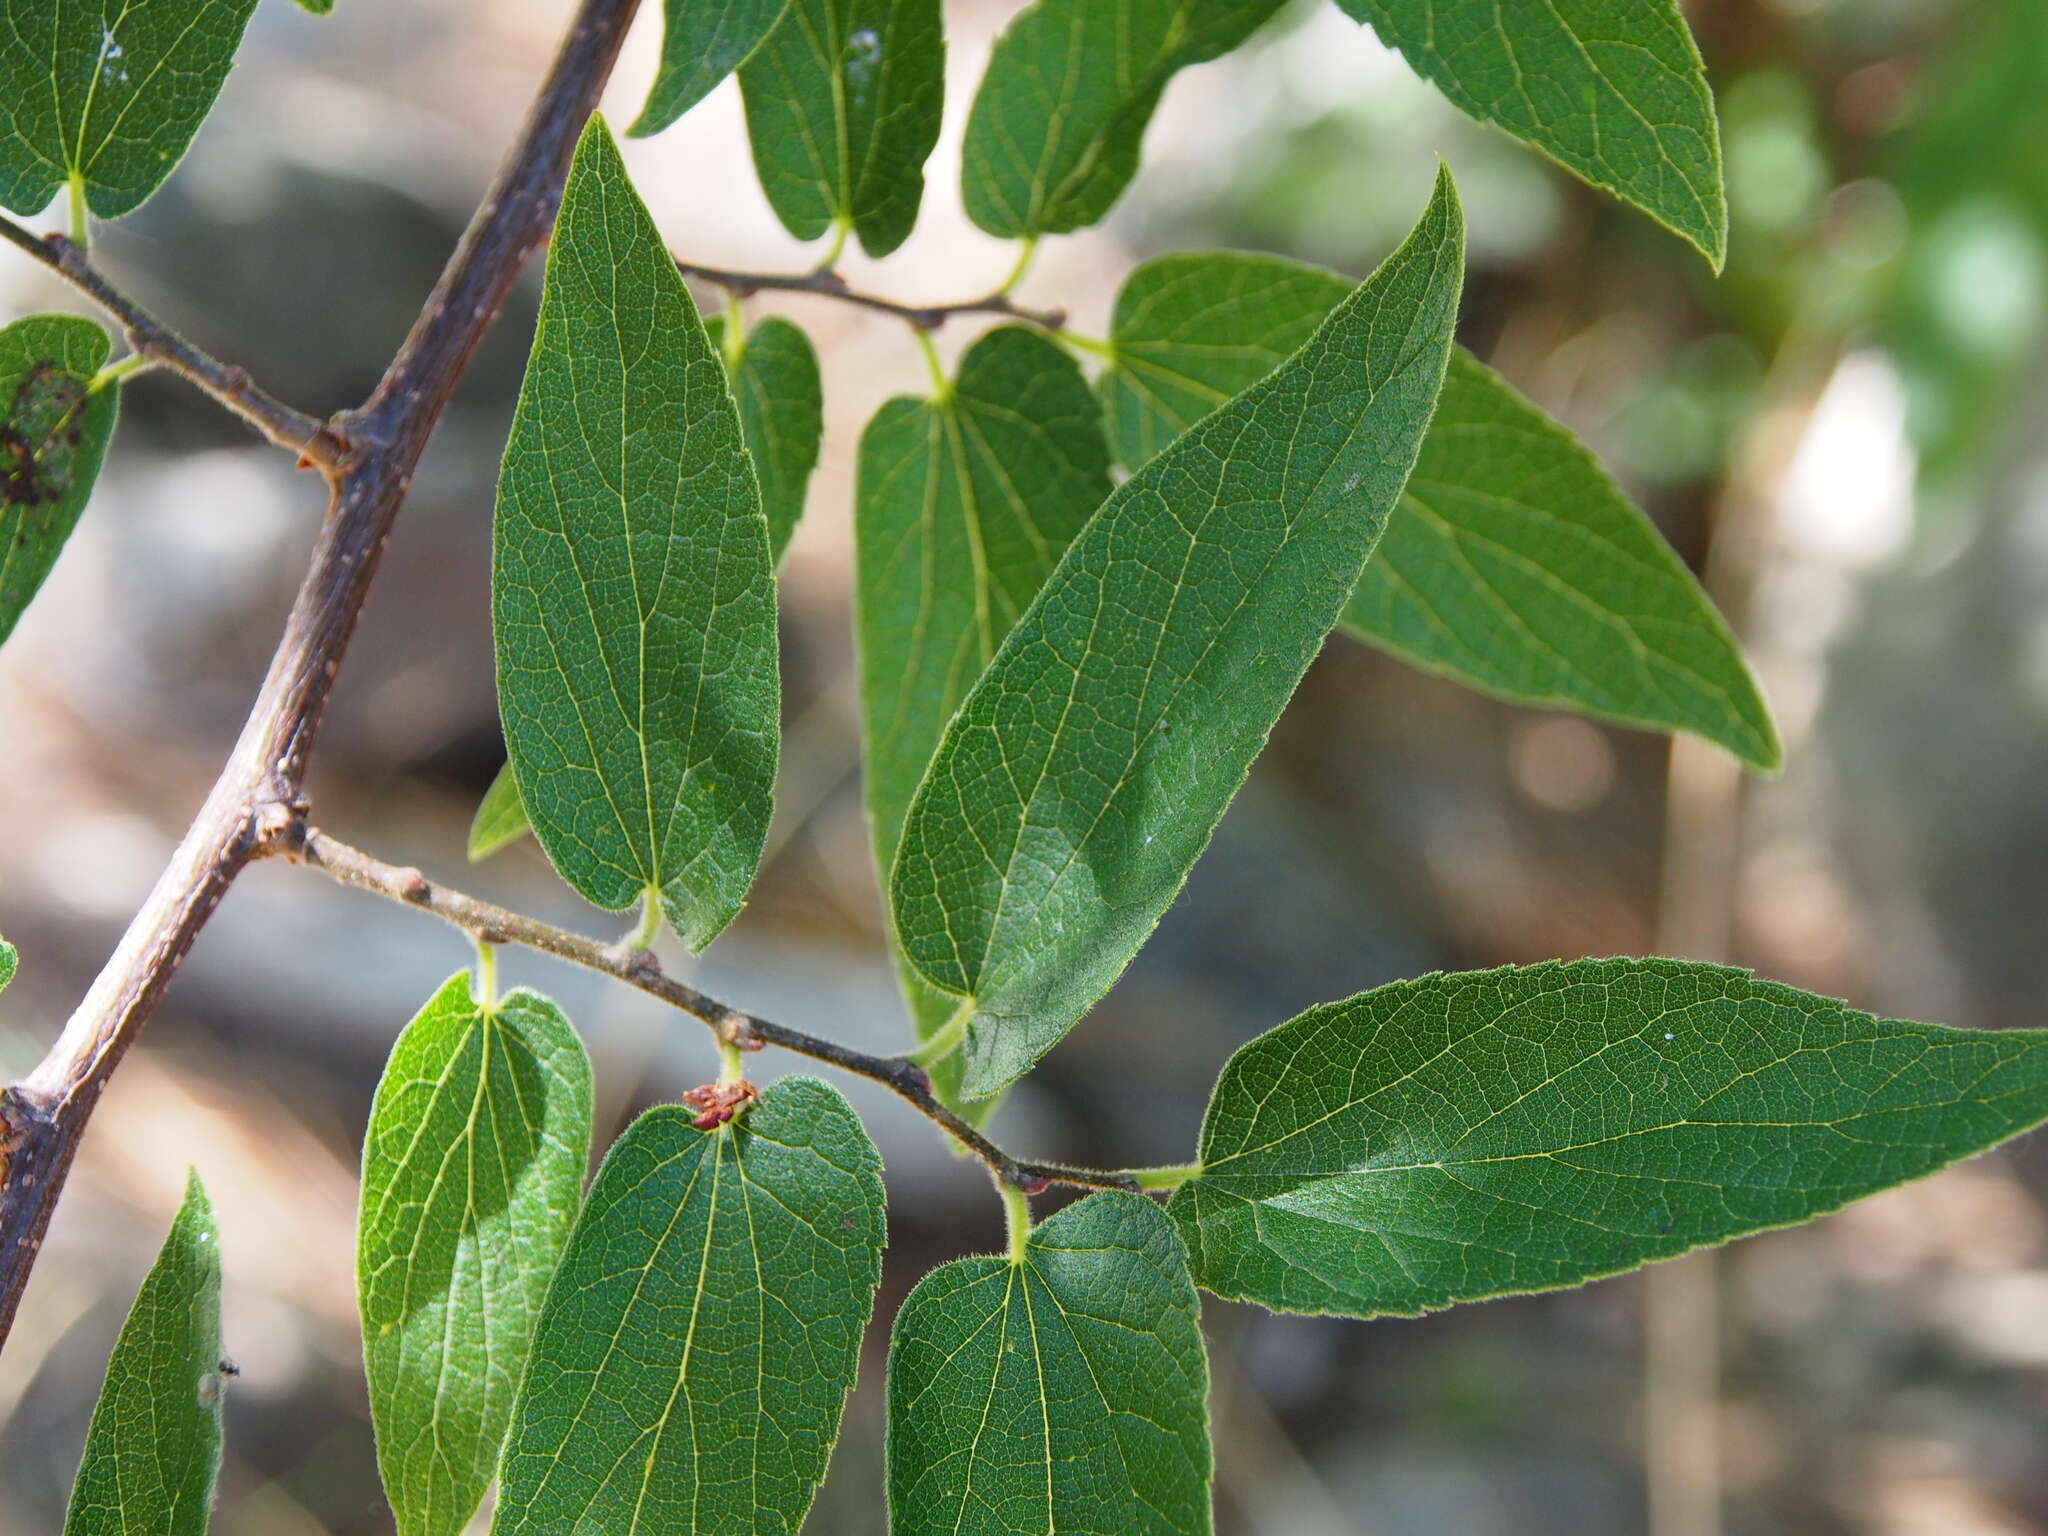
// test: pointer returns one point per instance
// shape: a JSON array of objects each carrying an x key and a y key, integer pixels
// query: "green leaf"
[
  {"x": 1615, "y": 93},
  {"x": 107, "y": 91},
  {"x": 472, "y": 1168},
  {"x": 704, "y": 1328},
  {"x": 1521, "y": 1129},
  {"x": 1062, "y": 1390},
  {"x": 782, "y": 417},
  {"x": 10, "y": 958},
  {"x": 54, "y": 430},
  {"x": 632, "y": 594},
  {"x": 500, "y": 819},
  {"x": 317, "y": 7},
  {"x": 843, "y": 104},
  {"x": 962, "y": 506},
  {"x": 1086, "y": 770},
  {"x": 1513, "y": 564},
  {"x": 153, "y": 1450},
  {"x": 702, "y": 41},
  {"x": 1057, "y": 122}
]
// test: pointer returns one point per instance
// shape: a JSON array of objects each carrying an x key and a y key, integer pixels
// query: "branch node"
[{"x": 413, "y": 886}]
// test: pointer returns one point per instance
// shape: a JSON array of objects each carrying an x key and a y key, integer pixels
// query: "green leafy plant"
[{"x": 1081, "y": 606}]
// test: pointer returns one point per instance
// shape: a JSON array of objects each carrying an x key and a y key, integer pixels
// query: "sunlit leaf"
[
  {"x": 500, "y": 819},
  {"x": 702, "y": 41}
]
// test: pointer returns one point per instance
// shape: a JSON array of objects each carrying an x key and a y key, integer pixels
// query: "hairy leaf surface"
[
  {"x": 1521, "y": 1129},
  {"x": 153, "y": 1450},
  {"x": 782, "y": 416},
  {"x": 472, "y": 1169},
  {"x": 704, "y": 1328},
  {"x": 1058, "y": 119},
  {"x": 1088, "y": 767},
  {"x": 500, "y": 819},
  {"x": 843, "y": 104},
  {"x": 54, "y": 430},
  {"x": 1065, "y": 1390},
  {"x": 702, "y": 41},
  {"x": 962, "y": 506},
  {"x": 1611, "y": 89},
  {"x": 1513, "y": 564},
  {"x": 632, "y": 594},
  {"x": 108, "y": 91}
]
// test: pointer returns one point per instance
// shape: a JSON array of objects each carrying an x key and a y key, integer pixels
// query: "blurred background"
[{"x": 1851, "y": 420}]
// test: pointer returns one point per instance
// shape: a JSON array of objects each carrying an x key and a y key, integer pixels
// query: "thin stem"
[
  {"x": 1089, "y": 344},
  {"x": 827, "y": 284},
  {"x": 1027, "y": 249},
  {"x": 942, "y": 387},
  {"x": 308, "y": 437},
  {"x": 485, "y": 987},
  {"x": 945, "y": 1040},
  {"x": 1017, "y": 1207},
  {"x": 121, "y": 368},
  {"x": 644, "y": 932},
  {"x": 81, "y": 233},
  {"x": 640, "y": 969},
  {"x": 1172, "y": 1176},
  {"x": 841, "y": 228},
  {"x": 735, "y": 332},
  {"x": 730, "y": 1068}
]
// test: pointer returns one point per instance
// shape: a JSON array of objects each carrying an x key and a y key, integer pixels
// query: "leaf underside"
[
  {"x": 702, "y": 41},
  {"x": 472, "y": 1171},
  {"x": 1467, "y": 1136},
  {"x": 782, "y": 418},
  {"x": 1087, "y": 768},
  {"x": 632, "y": 596},
  {"x": 1063, "y": 1391},
  {"x": 53, "y": 439},
  {"x": 704, "y": 1327}
]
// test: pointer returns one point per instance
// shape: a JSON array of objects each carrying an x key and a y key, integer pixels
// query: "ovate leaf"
[
  {"x": 107, "y": 91},
  {"x": 153, "y": 1451},
  {"x": 54, "y": 430},
  {"x": 704, "y": 1328},
  {"x": 500, "y": 819},
  {"x": 472, "y": 1168},
  {"x": 962, "y": 506},
  {"x": 1616, "y": 93},
  {"x": 843, "y": 104},
  {"x": 1521, "y": 1129},
  {"x": 702, "y": 41},
  {"x": 1084, "y": 773},
  {"x": 782, "y": 416},
  {"x": 1058, "y": 120},
  {"x": 1513, "y": 564},
  {"x": 1062, "y": 1390},
  {"x": 632, "y": 594}
]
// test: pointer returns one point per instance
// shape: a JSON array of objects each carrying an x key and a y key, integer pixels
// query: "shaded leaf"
[
  {"x": 704, "y": 1328},
  {"x": 1513, "y": 564},
  {"x": 782, "y": 417},
  {"x": 632, "y": 595},
  {"x": 500, "y": 819},
  {"x": 1087, "y": 768},
  {"x": 54, "y": 430},
  {"x": 702, "y": 41},
  {"x": 473, "y": 1166},
  {"x": 843, "y": 104},
  {"x": 153, "y": 1450},
  {"x": 109, "y": 91},
  {"x": 1059, "y": 117},
  {"x": 1521, "y": 1129},
  {"x": 1616, "y": 93},
  {"x": 1063, "y": 1390},
  {"x": 962, "y": 506}
]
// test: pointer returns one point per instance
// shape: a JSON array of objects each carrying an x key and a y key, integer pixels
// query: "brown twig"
[
  {"x": 311, "y": 439},
  {"x": 255, "y": 802},
  {"x": 828, "y": 284},
  {"x": 489, "y": 924}
]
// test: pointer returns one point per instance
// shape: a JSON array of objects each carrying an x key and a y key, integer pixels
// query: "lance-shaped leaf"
[
  {"x": 1615, "y": 93},
  {"x": 702, "y": 41},
  {"x": 704, "y": 1327},
  {"x": 153, "y": 1450},
  {"x": 54, "y": 429},
  {"x": 1064, "y": 1389},
  {"x": 962, "y": 506},
  {"x": 632, "y": 594},
  {"x": 1058, "y": 119},
  {"x": 1476, "y": 1135},
  {"x": 472, "y": 1167},
  {"x": 500, "y": 819},
  {"x": 1085, "y": 772},
  {"x": 782, "y": 416},
  {"x": 106, "y": 93},
  {"x": 1513, "y": 564},
  {"x": 843, "y": 104}
]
